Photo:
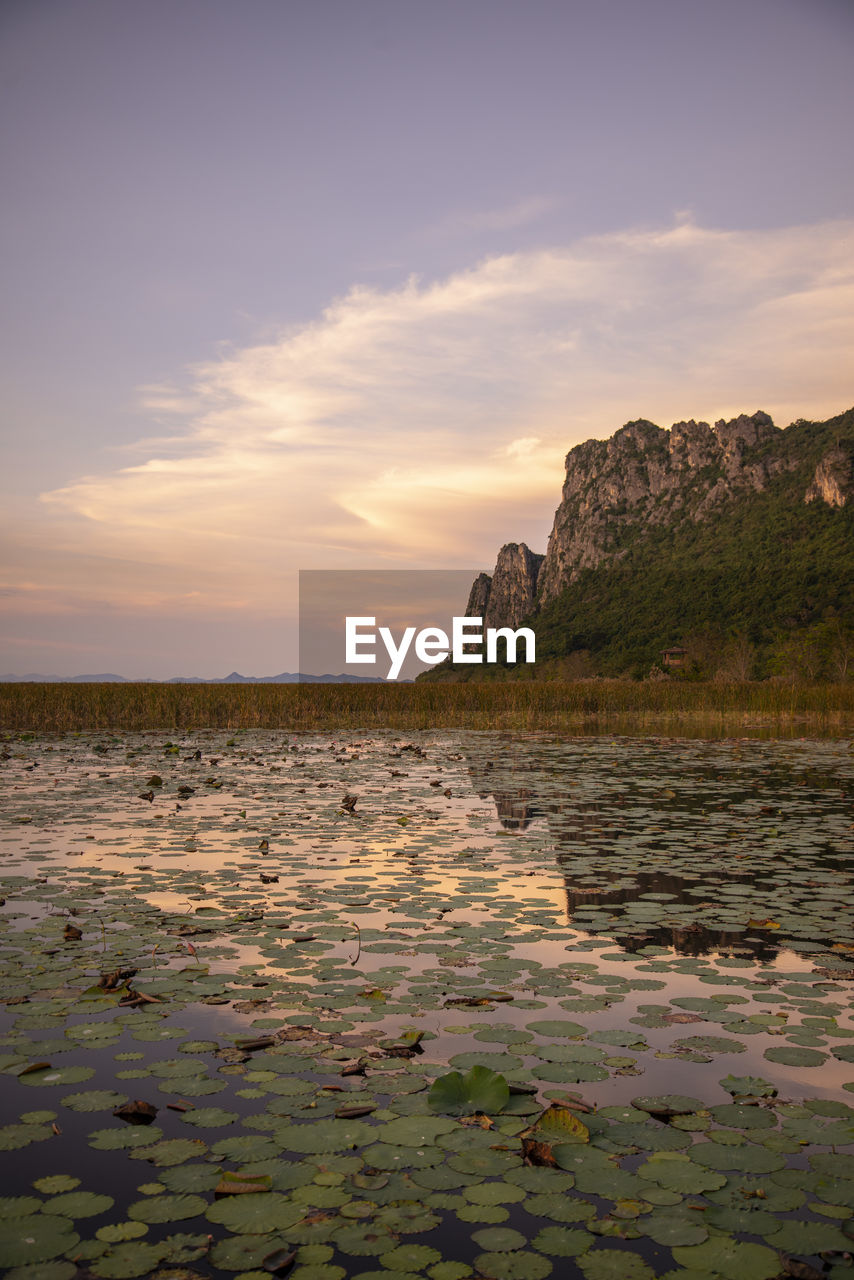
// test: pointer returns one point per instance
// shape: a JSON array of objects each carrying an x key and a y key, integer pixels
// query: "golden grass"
[{"x": 612, "y": 706}]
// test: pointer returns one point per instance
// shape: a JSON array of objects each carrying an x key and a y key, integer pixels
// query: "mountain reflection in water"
[{"x": 655, "y": 836}]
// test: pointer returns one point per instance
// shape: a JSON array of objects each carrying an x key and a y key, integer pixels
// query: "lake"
[{"x": 643, "y": 946}]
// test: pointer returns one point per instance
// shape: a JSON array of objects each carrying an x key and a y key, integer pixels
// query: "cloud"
[
  {"x": 425, "y": 425},
  {"x": 516, "y": 215}
]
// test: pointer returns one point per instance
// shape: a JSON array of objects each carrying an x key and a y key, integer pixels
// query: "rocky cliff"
[
  {"x": 833, "y": 481},
  {"x": 510, "y": 594},
  {"x": 736, "y": 536},
  {"x": 646, "y": 476}
]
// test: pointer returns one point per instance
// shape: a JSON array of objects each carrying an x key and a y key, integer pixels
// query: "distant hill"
[
  {"x": 733, "y": 543},
  {"x": 286, "y": 677}
]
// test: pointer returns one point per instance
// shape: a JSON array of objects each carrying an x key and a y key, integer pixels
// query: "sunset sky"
[{"x": 335, "y": 284}]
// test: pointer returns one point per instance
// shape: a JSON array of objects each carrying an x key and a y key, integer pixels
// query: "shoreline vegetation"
[{"x": 676, "y": 707}]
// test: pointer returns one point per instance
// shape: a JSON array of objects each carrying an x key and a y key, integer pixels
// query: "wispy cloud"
[
  {"x": 427, "y": 424},
  {"x": 520, "y": 214}
]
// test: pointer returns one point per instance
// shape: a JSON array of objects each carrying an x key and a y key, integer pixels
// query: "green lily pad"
[
  {"x": 732, "y": 1259},
  {"x": 54, "y": 1183},
  {"x": 125, "y": 1261},
  {"x": 56, "y": 1075},
  {"x": 15, "y": 1136},
  {"x": 170, "y": 1151},
  {"x": 407, "y": 1219},
  {"x": 94, "y": 1100},
  {"x": 670, "y": 1227},
  {"x": 252, "y": 1214},
  {"x": 810, "y": 1237},
  {"x": 410, "y": 1257},
  {"x": 748, "y": 1086},
  {"x": 242, "y": 1252},
  {"x": 746, "y": 1159},
  {"x": 43, "y": 1271},
  {"x": 794, "y": 1056},
  {"x": 36, "y": 1238},
  {"x": 513, "y": 1266},
  {"x": 79, "y": 1204},
  {"x": 499, "y": 1239},
  {"x": 558, "y": 1028},
  {"x": 478, "y": 1090},
  {"x": 167, "y": 1208},
  {"x": 116, "y": 1232},
  {"x": 210, "y": 1117},
  {"x": 668, "y": 1104},
  {"x": 613, "y": 1264},
  {"x": 19, "y": 1206},
  {"x": 678, "y": 1172},
  {"x": 412, "y": 1131},
  {"x": 562, "y": 1242},
  {"x": 326, "y": 1135}
]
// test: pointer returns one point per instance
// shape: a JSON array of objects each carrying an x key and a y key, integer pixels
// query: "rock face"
[
  {"x": 644, "y": 476},
  {"x": 479, "y": 596},
  {"x": 510, "y": 594},
  {"x": 833, "y": 481}
]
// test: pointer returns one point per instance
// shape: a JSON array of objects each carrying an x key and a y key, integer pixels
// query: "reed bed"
[{"x": 615, "y": 706}]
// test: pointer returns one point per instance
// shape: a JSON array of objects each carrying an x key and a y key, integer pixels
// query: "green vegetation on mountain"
[{"x": 761, "y": 584}]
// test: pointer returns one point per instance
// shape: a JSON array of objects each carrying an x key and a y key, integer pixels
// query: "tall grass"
[{"x": 584, "y": 706}]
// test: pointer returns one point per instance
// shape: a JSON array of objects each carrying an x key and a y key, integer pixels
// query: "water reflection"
[{"x": 654, "y": 837}]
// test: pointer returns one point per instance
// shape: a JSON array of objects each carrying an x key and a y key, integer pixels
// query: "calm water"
[{"x": 595, "y": 918}]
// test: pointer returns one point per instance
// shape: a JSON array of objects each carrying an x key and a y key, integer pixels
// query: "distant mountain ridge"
[
  {"x": 286, "y": 677},
  {"x": 698, "y": 537}
]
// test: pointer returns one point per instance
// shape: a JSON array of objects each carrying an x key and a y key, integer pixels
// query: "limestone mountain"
[
  {"x": 510, "y": 595},
  {"x": 736, "y": 536}
]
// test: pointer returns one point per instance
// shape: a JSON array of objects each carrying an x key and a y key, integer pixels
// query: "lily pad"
[
  {"x": 562, "y": 1242},
  {"x": 36, "y": 1238},
  {"x": 163, "y": 1208},
  {"x": 478, "y": 1090},
  {"x": 250, "y": 1215},
  {"x": 499, "y": 1239},
  {"x": 794, "y": 1056},
  {"x": 732, "y": 1259},
  {"x": 518, "y": 1265},
  {"x": 79, "y": 1204}
]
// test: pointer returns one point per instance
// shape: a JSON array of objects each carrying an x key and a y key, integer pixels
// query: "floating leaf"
[
  {"x": 248, "y": 1215},
  {"x": 79, "y": 1204},
  {"x": 562, "y": 1242},
  {"x": 231, "y": 1184},
  {"x": 167, "y": 1208},
  {"x": 731, "y": 1259},
  {"x": 556, "y": 1125},
  {"x": 116, "y": 1232},
  {"x": 668, "y": 1104},
  {"x": 748, "y": 1086},
  {"x": 478, "y": 1090},
  {"x": 37, "y": 1238},
  {"x": 613, "y": 1264},
  {"x": 517, "y": 1265},
  {"x": 125, "y": 1261},
  {"x": 410, "y": 1257},
  {"x": 795, "y": 1056},
  {"x": 678, "y": 1172},
  {"x": 54, "y": 1183}
]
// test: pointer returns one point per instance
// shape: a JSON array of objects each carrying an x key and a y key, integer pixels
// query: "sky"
[{"x": 336, "y": 284}]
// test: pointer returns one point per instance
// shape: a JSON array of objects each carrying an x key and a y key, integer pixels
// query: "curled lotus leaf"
[
  {"x": 556, "y": 1126},
  {"x": 479, "y": 1089},
  {"x": 748, "y": 1086}
]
